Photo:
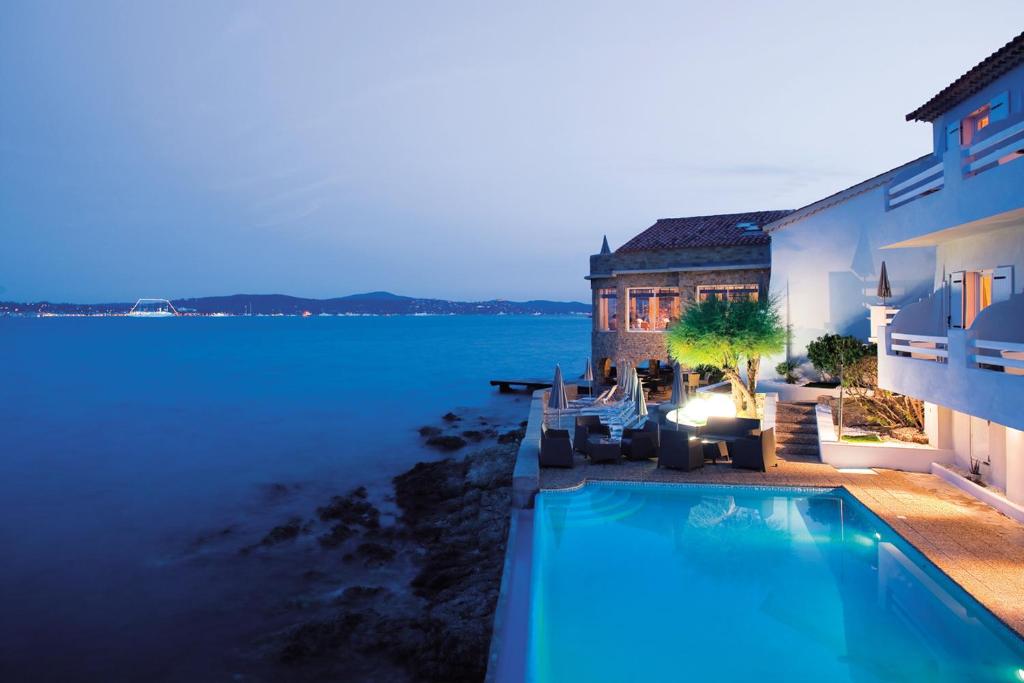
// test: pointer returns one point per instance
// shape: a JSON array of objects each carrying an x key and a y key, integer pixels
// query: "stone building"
[{"x": 640, "y": 289}]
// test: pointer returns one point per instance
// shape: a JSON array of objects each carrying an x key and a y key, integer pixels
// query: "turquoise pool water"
[{"x": 701, "y": 583}]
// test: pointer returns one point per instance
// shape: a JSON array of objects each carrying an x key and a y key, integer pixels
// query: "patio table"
[{"x": 603, "y": 449}]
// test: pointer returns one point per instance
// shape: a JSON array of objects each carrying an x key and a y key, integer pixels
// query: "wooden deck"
[{"x": 530, "y": 385}]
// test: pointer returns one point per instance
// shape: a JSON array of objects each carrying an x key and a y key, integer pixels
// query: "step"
[
  {"x": 797, "y": 449},
  {"x": 792, "y": 428},
  {"x": 794, "y": 438}
]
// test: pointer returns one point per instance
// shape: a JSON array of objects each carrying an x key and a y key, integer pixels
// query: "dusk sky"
[{"x": 454, "y": 150}]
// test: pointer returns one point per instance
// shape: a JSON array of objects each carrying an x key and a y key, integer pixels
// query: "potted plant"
[{"x": 975, "y": 474}]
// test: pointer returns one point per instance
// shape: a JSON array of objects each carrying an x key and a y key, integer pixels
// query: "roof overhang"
[
  {"x": 1001, "y": 221},
  {"x": 680, "y": 269},
  {"x": 1000, "y": 62}
]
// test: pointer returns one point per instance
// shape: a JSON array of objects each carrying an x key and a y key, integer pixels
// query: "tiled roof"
[
  {"x": 1006, "y": 58},
  {"x": 724, "y": 230}
]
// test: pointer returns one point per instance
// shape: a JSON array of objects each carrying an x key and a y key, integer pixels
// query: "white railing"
[
  {"x": 922, "y": 183},
  {"x": 1004, "y": 146},
  {"x": 1008, "y": 356},
  {"x": 921, "y": 346}
]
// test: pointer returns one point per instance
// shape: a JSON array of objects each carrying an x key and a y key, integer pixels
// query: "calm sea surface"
[{"x": 138, "y": 456}]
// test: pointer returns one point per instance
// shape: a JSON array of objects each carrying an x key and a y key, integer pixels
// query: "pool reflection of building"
[{"x": 640, "y": 289}]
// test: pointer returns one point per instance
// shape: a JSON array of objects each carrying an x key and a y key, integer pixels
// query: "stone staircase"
[{"x": 796, "y": 431}]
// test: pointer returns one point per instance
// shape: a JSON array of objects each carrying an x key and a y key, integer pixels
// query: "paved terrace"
[{"x": 978, "y": 547}]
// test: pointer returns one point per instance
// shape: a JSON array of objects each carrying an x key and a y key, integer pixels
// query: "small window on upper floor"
[
  {"x": 980, "y": 119},
  {"x": 975, "y": 122}
]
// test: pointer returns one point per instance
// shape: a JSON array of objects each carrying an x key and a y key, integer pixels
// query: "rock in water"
[
  {"x": 446, "y": 442},
  {"x": 455, "y": 514}
]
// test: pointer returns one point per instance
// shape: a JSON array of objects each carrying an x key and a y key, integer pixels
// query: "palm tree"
[{"x": 727, "y": 334}]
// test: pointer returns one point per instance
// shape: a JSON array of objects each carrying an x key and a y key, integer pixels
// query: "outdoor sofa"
[{"x": 748, "y": 445}]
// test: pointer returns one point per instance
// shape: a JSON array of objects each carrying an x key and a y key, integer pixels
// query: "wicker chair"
[
  {"x": 555, "y": 448},
  {"x": 642, "y": 443},
  {"x": 680, "y": 450},
  {"x": 754, "y": 452},
  {"x": 586, "y": 425}
]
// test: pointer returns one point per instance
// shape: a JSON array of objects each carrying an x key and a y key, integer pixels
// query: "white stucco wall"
[
  {"x": 1003, "y": 247},
  {"x": 830, "y": 262}
]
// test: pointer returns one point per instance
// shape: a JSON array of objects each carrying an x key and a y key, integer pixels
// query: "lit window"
[
  {"x": 727, "y": 292},
  {"x": 653, "y": 309},
  {"x": 607, "y": 308},
  {"x": 981, "y": 123}
]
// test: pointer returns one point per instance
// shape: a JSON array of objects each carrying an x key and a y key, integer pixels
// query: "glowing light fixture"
[
  {"x": 698, "y": 409},
  {"x": 856, "y": 470},
  {"x": 1020, "y": 674}
]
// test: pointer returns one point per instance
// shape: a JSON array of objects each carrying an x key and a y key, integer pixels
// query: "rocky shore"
[{"x": 446, "y": 542}]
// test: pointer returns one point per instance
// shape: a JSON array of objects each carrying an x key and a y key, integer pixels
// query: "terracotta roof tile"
[
  {"x": 723, "y": 230},
  {"x": 1005, "y": 59}
]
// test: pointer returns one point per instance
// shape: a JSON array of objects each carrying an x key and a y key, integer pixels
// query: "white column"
[
  {"x": 938, "y": 425},
  {"x": 1015, "y": 465}
]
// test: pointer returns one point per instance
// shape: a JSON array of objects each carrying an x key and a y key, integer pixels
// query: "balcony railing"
[
  {"x": 996, "y": 355},
  {"x": 999, "y": 148},
  {"x": 978, "y": 371},
  {"x": 922, "y": 180},
  {"x": 921, "y": 346}
]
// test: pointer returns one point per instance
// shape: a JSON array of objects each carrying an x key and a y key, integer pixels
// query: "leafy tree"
[
  {"x": 729, "y": 334},
  {"x": 832, "y": 354},
  {"x": 712, "y": 372}
]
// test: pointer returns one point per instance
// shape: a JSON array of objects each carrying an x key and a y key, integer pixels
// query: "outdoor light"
[{"x": 698, "y": 409}]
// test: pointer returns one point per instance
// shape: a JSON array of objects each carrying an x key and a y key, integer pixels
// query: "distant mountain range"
[{"x": 370, "y": 303}]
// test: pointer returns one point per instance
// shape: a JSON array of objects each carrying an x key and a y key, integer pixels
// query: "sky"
[{"x": 455, "y": 150}]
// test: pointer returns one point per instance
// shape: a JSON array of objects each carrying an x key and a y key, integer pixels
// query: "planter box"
[
  {"x": 886, "y": 454},
  {"x": 794, "y": 392}
]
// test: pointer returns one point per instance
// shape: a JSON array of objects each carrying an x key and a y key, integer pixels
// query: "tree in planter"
[
  {"x": 883, "y": 407},
  {"x": 727, "y": 334},
  {"x": 832, "y": 354}
]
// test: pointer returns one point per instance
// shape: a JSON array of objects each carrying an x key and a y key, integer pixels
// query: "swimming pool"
[{"x": 647, "y": 582}]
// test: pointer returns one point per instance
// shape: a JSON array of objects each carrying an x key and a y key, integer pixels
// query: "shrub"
[{"x": 787, "y": 370}]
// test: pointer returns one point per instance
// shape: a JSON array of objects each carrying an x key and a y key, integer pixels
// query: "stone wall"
[{"x": 636, "y": 346}]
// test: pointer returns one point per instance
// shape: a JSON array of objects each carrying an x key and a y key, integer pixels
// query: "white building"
[{"x": 950, "y": 227}]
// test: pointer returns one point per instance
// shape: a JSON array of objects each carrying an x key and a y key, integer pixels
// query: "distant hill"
[{"x": 368, "y": 303}]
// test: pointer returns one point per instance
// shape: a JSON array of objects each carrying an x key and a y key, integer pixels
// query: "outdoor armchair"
[
  {"x": 680, "y": 450},
  {"x": 754, "y": 452},
  {"x": 555, "y": 447},
  {"x": 641, "y": 443},
  {"x": 585, "y": 426}
]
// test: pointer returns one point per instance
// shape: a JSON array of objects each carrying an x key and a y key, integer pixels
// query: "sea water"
[{"x": 137, "y": 456}]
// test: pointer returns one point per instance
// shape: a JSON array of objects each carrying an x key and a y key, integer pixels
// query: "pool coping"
[{"x": 514, "y": 596}]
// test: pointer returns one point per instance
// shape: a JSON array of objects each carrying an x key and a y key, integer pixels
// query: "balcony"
[
  {"x": 918, "y": 181},
  {"x": 978, "y": 371},
  {"x": 962, "y": 185}
]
